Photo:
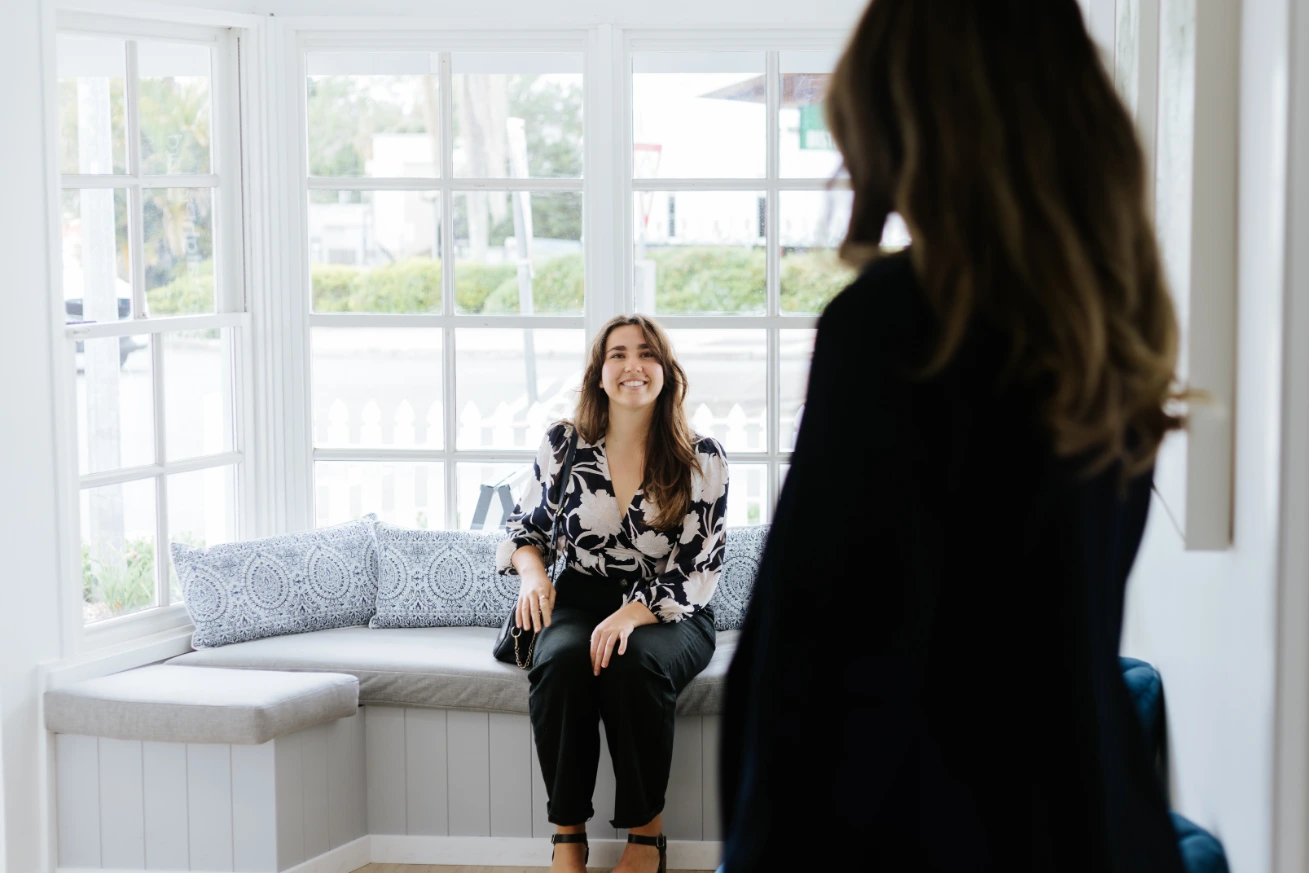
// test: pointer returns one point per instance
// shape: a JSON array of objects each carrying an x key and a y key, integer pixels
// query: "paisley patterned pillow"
[
  {"x": 440, "y": 578},
  {"x": 286, "y": 584},
  {"x": 741, "y": 556}
]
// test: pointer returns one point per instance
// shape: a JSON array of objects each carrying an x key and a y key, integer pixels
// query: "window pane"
[
  {"x": 747, "y": 494},
  {"x": 487, "y": 227},
  {"x": 92, "y": 72},
  {"x": 517, "y": 115},
  {"x": 374, "y": 114},
  {"x": 726, "y": 396},
  {"x": 511, "y": 384},
  {"x": 700, "y": 252},
  {"x": 404, "y": 494},
  {"x": 486, "y": 483},
  {"x": 699, "y": 115},
  {"x": 806, "y": 149},
  {"x": 115, "y": 403},
  {"x": 198, "y": 393},
  {"x": 201, "y": 513},
  {"x": 179, "y": 251},
  {"x": 375, "y": 251},
  {"x": 812, "y": 227},
  {"x": 377, "y": 387},
  {"x": 797, "y": 350},
  {"x": 174, "y": 108},
  {"x": 118, "y": 549},
  {"x": 96, "y": 268}
]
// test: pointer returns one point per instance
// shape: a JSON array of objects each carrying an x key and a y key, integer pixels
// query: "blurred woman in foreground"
[{"x": 928, "y": 676}]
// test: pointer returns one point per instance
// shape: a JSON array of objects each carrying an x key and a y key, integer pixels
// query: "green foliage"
[
  {"x": 174, "y": 114},
  {"x": 709, "y": 278},
  {"x": 125, "y": 582},
  {"x": 690, "y": 279},
  {"x": 333, "y": 286},
  {"x": 552, "y": 112},
  {"x": 475, "y": 283},
  {"x": 556, "y": 288},
  {"x": 185, "y": 295},
  {"x": 343, "y": 120},
  {"x": 809, "y": 281},
  {"x": 412, "y": 285}
]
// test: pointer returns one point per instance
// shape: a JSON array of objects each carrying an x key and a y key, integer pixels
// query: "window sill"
[
  {"x": 140, "y": 648},
  {"x": 129, "y": 628}
]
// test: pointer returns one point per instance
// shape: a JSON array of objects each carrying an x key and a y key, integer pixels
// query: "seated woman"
[{"x": 626, "y": 626}]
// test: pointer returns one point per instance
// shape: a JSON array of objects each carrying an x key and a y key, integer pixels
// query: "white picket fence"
[{"x": 415, "y": 493}]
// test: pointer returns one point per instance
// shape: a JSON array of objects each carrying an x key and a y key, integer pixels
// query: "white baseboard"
[
  {"x": 524, "y": 852},
  {"x": 342, "y": 859}
]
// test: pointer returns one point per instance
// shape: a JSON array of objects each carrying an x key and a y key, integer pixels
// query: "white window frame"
[
  {"x": 771, "y": 43},
  {"x": 607, "y": 187},
  {"x": 450, "y": 456},
  {"x": 230, "y": 281}
]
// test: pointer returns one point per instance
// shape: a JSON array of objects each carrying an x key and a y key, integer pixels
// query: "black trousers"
[{"x": 636, "y": 695}]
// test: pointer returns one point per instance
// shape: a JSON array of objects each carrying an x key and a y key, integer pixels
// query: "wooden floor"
[{"x": 441, "y": 868}]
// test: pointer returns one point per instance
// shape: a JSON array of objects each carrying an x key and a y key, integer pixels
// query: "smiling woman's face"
[{"x": 631, "y": 377}]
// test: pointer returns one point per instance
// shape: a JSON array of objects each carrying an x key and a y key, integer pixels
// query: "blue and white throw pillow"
[
  {"x": 286, "y": 584},
  {"x": 440, "y": 578},
  {"x": 741, "y": 558}
]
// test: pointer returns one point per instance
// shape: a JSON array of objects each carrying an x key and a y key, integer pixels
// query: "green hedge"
[{"x": 690, "y": 279}]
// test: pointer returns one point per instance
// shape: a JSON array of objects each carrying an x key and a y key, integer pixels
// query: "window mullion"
[
  {"x": 161, "y": 481},
  {"x": 773, "y": 90},
  {"x": 449, "y": 471},
  {"x": 446, "y": 99},
  {"x": 135, "y": 194}
]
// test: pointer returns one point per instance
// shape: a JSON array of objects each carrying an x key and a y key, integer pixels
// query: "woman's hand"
[
  {"x": 615, "y": 630},
  {"x": 536, "y": 600}
]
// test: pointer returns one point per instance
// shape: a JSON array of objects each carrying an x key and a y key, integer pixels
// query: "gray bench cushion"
[
  {"x": 446, "y": 667},
  {"x": 177, "y": 705}
]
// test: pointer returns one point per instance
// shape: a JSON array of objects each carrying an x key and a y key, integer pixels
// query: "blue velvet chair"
[{"x": 1201, "y": 851}]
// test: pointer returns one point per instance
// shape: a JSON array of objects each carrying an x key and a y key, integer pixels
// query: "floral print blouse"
[{"x": 672, "y": 572}]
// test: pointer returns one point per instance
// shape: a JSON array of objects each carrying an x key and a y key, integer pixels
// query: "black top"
[
  {"x": 928, "y": 674},
  {"x": 673, "y": 572}
]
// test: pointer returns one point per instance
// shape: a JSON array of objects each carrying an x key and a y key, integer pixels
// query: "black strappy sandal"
[
  {"x": 660, "y": 842},
  {"x": 573, "y": 838}
]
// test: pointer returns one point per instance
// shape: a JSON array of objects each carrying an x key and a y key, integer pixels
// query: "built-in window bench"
[{"x": 329, "y": 750}]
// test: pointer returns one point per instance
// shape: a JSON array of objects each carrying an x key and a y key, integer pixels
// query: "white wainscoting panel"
[
  {"x": 435, "y": 772},
  {"x": 77, "y": 784},
  {"x": 314, "y": 746},
  {"x": 388, "y": 785},
  {"x": 122, "y": 805},
  {"x": 280, "y": 806},
  {"x": 710, "y": 733},
  {"x": 288, "y": 752},
  {"x": 425, "y": 762},
  {"x": 209, "y": 805},
  {"x": 254, "y": 807},
  {"x": 468, "y": 737},
  {"x": 384, "y": 732},
  {"x": 511, "y": 775},
  {"x": 164, "y": 769}
]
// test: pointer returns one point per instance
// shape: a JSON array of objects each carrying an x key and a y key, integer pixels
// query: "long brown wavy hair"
[
  {"x": 670, "y": 459},
  {"x": 995, "y": 131}
]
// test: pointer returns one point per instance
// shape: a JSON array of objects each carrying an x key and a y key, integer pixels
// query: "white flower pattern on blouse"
[{"x": 673, "y": 572}]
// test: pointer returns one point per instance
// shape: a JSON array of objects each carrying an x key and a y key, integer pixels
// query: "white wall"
[
  {"x": 1208, "y": 620},
  {"x": 667, "y": 14},
  {"x": 30, "y": 630}
]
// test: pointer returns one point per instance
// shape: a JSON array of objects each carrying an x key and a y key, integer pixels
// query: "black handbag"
[{"x": 514, "y": 645}]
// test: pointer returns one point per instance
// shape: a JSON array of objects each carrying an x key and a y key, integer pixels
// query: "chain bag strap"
[{"x": 510, "y": 642}]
